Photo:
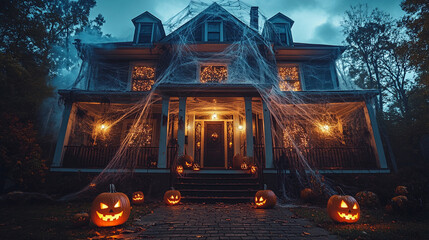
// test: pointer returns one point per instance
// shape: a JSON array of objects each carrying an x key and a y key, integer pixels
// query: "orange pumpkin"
[
  {"x": 196, "y": 167},
  {"x": 110, "y": 208},
  {"x": 265, "y": 199},
  {"x": 179, "y": 169},
  {"x": 343, "y": 208},
  {"x": 172, "y": 197},
  {"x": 401, "y": 190},
  {"x": 186, "y": 160},
  {"x": 253, "y": 169},
  {"x": 367, "y": 199},
  {"x": 307, "y": 195},
  {"x": 137, "y": 198}
]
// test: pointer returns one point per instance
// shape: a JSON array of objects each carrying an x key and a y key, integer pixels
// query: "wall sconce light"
[
  {"x": 214, "y": 116},
  {"x": 240, "y": 127}
]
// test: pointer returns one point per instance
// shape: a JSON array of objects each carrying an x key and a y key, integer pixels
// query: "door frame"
[{"x": 225, "y": 143}]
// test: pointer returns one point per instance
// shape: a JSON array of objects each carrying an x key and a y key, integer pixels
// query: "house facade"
[{"x": 216, "y": 89}]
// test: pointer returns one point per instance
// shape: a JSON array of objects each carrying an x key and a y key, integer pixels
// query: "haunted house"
[{"x": 230, "y": 94}]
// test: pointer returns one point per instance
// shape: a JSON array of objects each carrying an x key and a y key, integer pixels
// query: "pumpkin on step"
[
  {"x": 110, "y": 208},
  {"x": 138, "y": 198},
  {"x": 265, "y": 199},
  {"x": 343, "y": 208},
  {"x": 172, "y": 197}
]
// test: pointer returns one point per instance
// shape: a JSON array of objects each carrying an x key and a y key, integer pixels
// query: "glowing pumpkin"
[
  {"x": 137, "y": 198},
  {"x": 343, "y": 208},
  {"x": 110, "y": 208},
  {"x": 253, "y": 169},
  {"x": 172, "y": 197},
  {"x": 265, "y": 199},
  {"x": 186, "y": 160},
  {"x": 80, "y": 219},
  {"x": 244, "y": 166},
  {"x": 196, "y": 167},
  {"x": 179, "y": 169}
]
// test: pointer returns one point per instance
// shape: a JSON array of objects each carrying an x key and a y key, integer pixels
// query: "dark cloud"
[{"x": 327, "y": 33}]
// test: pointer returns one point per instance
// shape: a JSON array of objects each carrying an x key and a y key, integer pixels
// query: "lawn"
[
  {"x": 374, "y": 224},
  {"x": 53, "y": 221}
]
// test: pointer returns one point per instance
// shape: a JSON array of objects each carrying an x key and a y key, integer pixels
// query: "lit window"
[
  {"x": 213, "y": 74},
  {"x": 145, "y": 34},
  {"x": 289, "y": 78},
  {"x": 143, "y": 77},
  {"x": 213, "y": 31}
]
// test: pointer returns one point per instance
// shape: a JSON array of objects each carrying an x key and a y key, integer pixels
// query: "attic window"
[
  {"x": 289, "y": 78},
  {"x": 282, "y": 32},
  {"x": 143, "y": 77},
  {"x": 214, "y": 31},
  {"x": 213, "y": 73},
  {"x": 145, "y": 33}
]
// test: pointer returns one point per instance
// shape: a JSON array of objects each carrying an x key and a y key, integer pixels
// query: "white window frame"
[
  {"x": 206, "y": 30},
  {"x": 138, "y": 32},
  {"x": 286, "y": 27},
  {"x": 203, "y": 64},
  {"x": 300, "y": 72}
]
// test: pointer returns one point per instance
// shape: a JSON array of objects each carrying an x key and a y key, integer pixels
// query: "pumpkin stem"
[
  {"x": 340, "y": 190},
  {"x": 112, "y": 188}
]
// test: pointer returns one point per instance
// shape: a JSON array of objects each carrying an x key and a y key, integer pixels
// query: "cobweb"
[{"x": 298, "y": 124}]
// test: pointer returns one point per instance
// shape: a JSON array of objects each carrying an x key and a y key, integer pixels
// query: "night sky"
[{"x": 316, "y": 21}]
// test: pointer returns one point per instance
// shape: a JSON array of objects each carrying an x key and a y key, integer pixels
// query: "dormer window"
[
  {"x": 145, "y": 33},
  {"x": 214, "y": 31},
  {"x": 289, "y": 78},
  {"x": 213, "y": 73},
  {"x": 143, "y": 77},
  {"x": 282, "y": 31}
]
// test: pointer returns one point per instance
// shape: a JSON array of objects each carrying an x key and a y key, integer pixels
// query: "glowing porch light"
[
  {"x": 325, "y": 128},
  {"x": 240, "y": 127},
  {"x": 214, "y": 116}
]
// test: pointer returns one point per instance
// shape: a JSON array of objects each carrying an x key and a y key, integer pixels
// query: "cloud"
[{"x": 327, "y": 33}]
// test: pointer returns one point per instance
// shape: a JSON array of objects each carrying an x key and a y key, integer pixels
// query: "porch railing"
[
  {"x": 326, "y": 158},
  {"x": 99, "y": 157}
]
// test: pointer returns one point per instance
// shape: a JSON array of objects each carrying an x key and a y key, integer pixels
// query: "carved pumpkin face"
[
  {"x": 265, "y": 199},
  {"x": 110, "y": 208},
  {"x": 138, "y": 197},
  {"x": 343, "y": 209},
  {"x": 196, "y": 167},
  {"x": 185, "y": 160},
  {"x": 253, "y": 169},
  {"x": 244, "y": 166},
  {"x": 172, "y": 197},
  {"x": 179, "y": 169}
]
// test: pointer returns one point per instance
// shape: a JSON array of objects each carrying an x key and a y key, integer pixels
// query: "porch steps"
[{"x": 217, "y": 187}]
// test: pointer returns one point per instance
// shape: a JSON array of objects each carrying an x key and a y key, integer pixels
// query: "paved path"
[{"x": 227, "y": 221}]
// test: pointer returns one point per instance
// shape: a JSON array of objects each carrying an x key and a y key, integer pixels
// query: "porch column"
[
  {"x": 372, "y": 122},
  {"x": 162, "y": 153},
  {"x": 191, "y": 135},
  {"x": 181, "y": 126},
  {"x": 269, "y": 162},
  {"x": 249, "y": 126},
  {"x": 63, "y": 135}
]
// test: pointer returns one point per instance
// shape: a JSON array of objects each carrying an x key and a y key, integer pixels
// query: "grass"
[
  {"x": 53, "y": 221},
  {"x": 374, "y": 224}
]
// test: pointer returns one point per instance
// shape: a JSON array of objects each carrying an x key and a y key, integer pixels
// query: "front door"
[{"x": 214, "y": 151}]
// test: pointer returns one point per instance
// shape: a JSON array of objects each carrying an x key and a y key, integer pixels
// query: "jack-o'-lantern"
[
  {"x": 80, "y": 219},
  {"x": 172, "y": 197},
  {"x": 186, "y": 160},
  {"x": 265, "y": 199},
  {"x": 110, "y": 208},
  {"x": 253, "y": 169},
  {"x": 137, "y": 198},
  {"x": 179, "y": 169},
  {"x": 343, "y": 208},
  {"x": 244, "y": 166},
  {"x": 196, "y": 167},
  {"x": 399, "y": 202},
  {"x": 401, "y": 190}
]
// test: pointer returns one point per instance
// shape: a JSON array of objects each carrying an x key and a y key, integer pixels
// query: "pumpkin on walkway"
[
  {"x": 172, "y": 197},
  {"x": 137, "y": 198},
  {"x": 110, "y": 208},
  {"x": 265, "y": 199}
]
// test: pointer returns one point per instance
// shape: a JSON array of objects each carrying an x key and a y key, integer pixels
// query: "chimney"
[{"x": 254, "y": 17}]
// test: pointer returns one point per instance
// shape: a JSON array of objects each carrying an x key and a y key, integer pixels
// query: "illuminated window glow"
[
  {"x": 143, "y": 77},
  {"x": 289, "y": 78},
  {"x": 213, "y": 74}
]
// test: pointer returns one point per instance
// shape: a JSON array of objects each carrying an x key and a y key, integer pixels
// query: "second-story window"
[
  {"x": 289, "y": 78},
  {"x": 213, "y": 73},
  {"x": 143, "y": 77},
  {"x": 214, "y": 32},
  {"x": 145, "y": 33}
]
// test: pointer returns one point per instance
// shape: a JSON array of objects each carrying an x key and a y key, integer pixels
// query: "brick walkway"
[{"x": 227, "y": 221}]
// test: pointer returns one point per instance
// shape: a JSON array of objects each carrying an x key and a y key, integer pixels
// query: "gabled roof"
[
  {"x": 282, "y": 16},
  {"x": 212, "y": 7},
  {"x": 152, "y": 17}
]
